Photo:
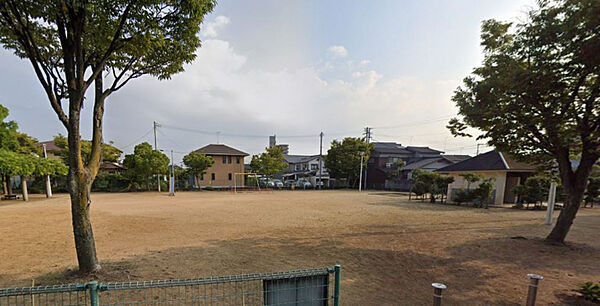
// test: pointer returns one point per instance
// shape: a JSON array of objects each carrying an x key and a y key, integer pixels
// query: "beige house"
[
  {"x": 228, "y": 162},
  {"x": 506, "y": 171}
]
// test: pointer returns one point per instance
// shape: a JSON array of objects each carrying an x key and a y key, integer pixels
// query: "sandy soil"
[{"x": 390, "y": 249}]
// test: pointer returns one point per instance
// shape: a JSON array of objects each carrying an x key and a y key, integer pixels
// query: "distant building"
[
  {"x": 52, "y": 149},
  {"x": 383, "y": 172},
  {"x": 506, "y": 171},
  {"x": 113, "y": 168},
  {"x": 228, "y": 162},
  {"x": 306, "y": 166},
  {"x": 273, "y": 143}
]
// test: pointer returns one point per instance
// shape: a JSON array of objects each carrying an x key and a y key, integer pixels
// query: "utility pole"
[
  {"x": 48, "y": 185},
  {"x": 320, "y": 159},
  {"x": 155, "y": 125},
  {"x": 362, "y": 154},
  {"x": 368, "y": 139}
]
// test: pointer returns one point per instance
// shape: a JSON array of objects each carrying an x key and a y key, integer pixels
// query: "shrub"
[
  {"x": 590, "y": 291},
  {"x": 464, "y": 196}
]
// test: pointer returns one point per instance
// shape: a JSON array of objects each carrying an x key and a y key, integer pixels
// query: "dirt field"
[{"x": 390, "y": 249}]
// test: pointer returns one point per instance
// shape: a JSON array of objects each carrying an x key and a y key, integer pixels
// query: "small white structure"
[{"x": 506, "y": 171}]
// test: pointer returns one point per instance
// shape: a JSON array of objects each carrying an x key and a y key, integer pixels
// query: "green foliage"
[
  {"x": 537, "y": 81},
  {"x": 145, "y": 162},
  {"x": 12, "y": 163},
  {"x": 343, "y": 158},
  {"x": 471, "y": 178},
  {"x": 110, "y": 153},
  {"x": 464, "y": 196},
  {"x": 590, "y": 291},
  {"x": 482, "y": 194},
  {"x": 110, "y": 182},
  {"x": 8, "y": 130},
  {"x": 534, "y": 190},
  {"x": 269, "y": 162},
  {"x": 197, "y": 163},
  {"x": 592, "y": 193},
  {"x": 432, "y": 183}
]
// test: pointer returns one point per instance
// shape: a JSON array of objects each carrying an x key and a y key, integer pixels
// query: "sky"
[{"x": 294, "y": 69}]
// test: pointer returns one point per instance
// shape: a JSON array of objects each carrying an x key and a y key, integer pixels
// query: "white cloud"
[
  {"x": 365, "y": 62},
  {"x": 219, "y": 92},
  {"x": 210, "y": 29},
  {"x": 338, "y": 51}
]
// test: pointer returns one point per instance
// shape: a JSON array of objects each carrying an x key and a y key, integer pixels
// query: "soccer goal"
[{"x": 247, "y": 181}]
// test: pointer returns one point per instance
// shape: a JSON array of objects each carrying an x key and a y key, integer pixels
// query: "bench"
[{"x": 10, "y": 197}]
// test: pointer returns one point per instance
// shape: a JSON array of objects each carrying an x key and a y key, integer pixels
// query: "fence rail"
[{"x": 299, "y": 287}]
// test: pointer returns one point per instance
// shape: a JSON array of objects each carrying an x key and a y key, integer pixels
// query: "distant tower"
[{"x": 272, "y": 141}]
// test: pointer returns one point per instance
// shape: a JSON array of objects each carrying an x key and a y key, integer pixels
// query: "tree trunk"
[
  {"x": 4, "y": 187},
  {"x": 24, "y": 189},
  {"x": 80, "y": 186},
  {"x": 574, "y": 183},
  {"x": 48, "y": 187},
  {"x": 9, "y": 184}
]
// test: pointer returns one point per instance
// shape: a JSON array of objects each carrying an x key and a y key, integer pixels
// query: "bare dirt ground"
[{"x": 390, "y": 249}]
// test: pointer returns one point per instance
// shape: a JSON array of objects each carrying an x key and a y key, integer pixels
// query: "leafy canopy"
[
  {"x": 145, "y": 162},
  {"x": 269, "y": 162},
  {"x": 197, "y": 163},
  {"x": 110, "y": 153},
  {"x": 343, "y": 157},
  {"x": 536, "y": 94}
]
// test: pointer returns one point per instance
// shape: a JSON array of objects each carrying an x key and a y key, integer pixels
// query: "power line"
[
  {"x": 414, "y": 123},
  {"x": 137, "y": 140}
]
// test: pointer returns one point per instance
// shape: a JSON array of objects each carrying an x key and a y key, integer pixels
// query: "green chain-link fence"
[{"x": 301, "y": 287}]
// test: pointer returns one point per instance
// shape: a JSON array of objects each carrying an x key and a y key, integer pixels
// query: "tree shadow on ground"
[{"x": 369, "y": 276}]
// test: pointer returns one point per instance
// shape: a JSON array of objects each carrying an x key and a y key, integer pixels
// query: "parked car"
[
  {"x": 303, "y": 183},
  {"x": 266, "y": 182},
  {"x": 289, "y": 183},
  {"x": 278, "y": 183}
]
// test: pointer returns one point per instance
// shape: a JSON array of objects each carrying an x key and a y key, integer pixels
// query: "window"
[
  {"x": 212, "y": 176},
  {"x": 224, "y": 159},
  {"x": 229, "y": 159},
  {"x": 237, "y": 160},
  {"x": 298, "y": 167},
  {"x": 314, "y": 167},
  {"x": 230, "y": 176}
]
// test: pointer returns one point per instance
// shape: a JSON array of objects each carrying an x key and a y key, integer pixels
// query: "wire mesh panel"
[
  {"x": 300, "y": 287},
  {"x": 303, "y": 287},
  {"x": 71, "y": 294}
]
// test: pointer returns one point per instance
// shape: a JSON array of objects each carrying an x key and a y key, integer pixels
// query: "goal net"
[{"x": 245, "y": 181}]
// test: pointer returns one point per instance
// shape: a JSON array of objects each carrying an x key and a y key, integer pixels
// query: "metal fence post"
[
  {"x": 437, "y": 293},
  {"x": 337, "y": 270},
  {"x": 93, "y": 287},
  {"x": 534, "y": 280}
]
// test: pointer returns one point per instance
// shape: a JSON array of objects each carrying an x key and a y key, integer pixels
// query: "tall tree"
[
  {"x": 269, "y": 162},
  {"x": 536, "y": 95},
  {"x": 74, "y": 45},
  {"x": 343, "y": 158},
  {"x": 144, "y": 163},
  {"x": 197, "y": 164}
]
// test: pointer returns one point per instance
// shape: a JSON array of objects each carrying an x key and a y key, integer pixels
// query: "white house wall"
[{"x": 499, "y": 183}]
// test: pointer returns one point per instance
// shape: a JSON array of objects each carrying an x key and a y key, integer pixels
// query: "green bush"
[
  {"x": 464, "y": 196},
  {"x": 590, "y": 291},
  {"x": 110, "y": 182}
]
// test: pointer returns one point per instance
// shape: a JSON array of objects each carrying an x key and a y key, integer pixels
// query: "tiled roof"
[
  {"x": 422, "y": 150},
  {"x": 421, "y": 163},
  {"x": 50, "y": 145},
  {"x": 389, "y": 147},
  {"x": 220, "y": 149},
  {"x": 455, "y": 158},
  {"x": 492, "y": 160},
  {"x": 295, "y": 159}
]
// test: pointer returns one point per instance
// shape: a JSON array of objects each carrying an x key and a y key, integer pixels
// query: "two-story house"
[
  {"x": 308, "y": 167},
  {"x": 228, "y": 162},
  {"x": 382, "y": 167}
]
